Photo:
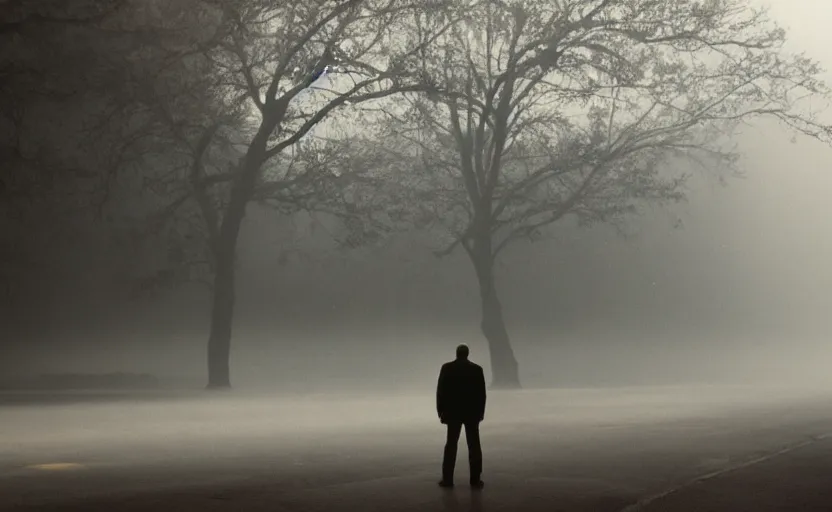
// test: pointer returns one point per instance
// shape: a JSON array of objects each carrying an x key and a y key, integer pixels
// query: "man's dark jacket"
[{"x": 460, "y": 393}]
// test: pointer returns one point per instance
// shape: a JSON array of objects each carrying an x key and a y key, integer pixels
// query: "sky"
[{"x": 746, "y": 276}]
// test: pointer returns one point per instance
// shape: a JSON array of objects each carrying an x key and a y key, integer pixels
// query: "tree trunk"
[
  {"x": 504, "y": 371},
  {"x": 222, "y": 315},
  {"x": 222, "y": 311},
  {"x": 225, "y": 250}
]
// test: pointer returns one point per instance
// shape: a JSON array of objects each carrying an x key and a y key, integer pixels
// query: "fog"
[
  {"x": 739, "y": 293},
  {"x": 690, "y": 344}
]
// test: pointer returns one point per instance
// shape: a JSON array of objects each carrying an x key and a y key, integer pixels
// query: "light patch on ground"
[{"x": 57, "y": 466}]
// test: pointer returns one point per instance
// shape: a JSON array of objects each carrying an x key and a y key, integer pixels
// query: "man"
[{"x": 460, "y": 400}]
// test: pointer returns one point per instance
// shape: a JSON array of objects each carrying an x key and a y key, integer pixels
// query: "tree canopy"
[{"x": 551, "y": 109}]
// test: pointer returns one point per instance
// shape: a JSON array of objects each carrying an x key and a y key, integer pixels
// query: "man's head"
[{"x": 462, "y": 351}]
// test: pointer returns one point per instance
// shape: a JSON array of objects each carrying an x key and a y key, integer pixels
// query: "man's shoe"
[
  {"x": 446, "y": 484},
  {"x": 479, "y": 484}
]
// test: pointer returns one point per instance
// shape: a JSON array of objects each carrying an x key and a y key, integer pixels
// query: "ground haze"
[{"x": 568, "y": 449}]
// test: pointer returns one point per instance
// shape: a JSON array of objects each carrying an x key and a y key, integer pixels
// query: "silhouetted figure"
[{"x": 460, "y": 400}]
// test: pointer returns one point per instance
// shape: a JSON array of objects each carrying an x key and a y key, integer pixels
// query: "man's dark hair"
[{"x": 462, "y": 351}]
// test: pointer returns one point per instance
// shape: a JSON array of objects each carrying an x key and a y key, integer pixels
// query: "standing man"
[{"x": 460, "y": 400}]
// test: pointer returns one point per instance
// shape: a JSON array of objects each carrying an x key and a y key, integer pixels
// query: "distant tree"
[
  {"x": 551, "y": 109},
  {"x": 49, "y": 71},
  {"x": 177, "y": 113},
  {"x": 98, "y": 96}
]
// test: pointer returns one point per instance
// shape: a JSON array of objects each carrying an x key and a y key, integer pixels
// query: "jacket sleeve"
[
  {"x": 481, "y": 394},
  {"x": 441, "y": 392}
]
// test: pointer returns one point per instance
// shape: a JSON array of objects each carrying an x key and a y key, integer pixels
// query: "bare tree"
[
  {"x": 550, "y": 109},
  {"x": 273, "y": 60}
]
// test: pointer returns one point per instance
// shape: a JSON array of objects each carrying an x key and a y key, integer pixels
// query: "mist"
[
  {"x": 731, "y": 285},
  {"x": 738, "y": 292},
  {"x": 690, "y": 341}
]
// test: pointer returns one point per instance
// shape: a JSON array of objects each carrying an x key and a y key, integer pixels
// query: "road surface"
[{"x": 668, "y": 449}]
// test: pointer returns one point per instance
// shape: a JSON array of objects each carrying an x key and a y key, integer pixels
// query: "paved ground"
[
  {"x": 798, "y": 480},
  {"x": 638, "y": 449}
]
